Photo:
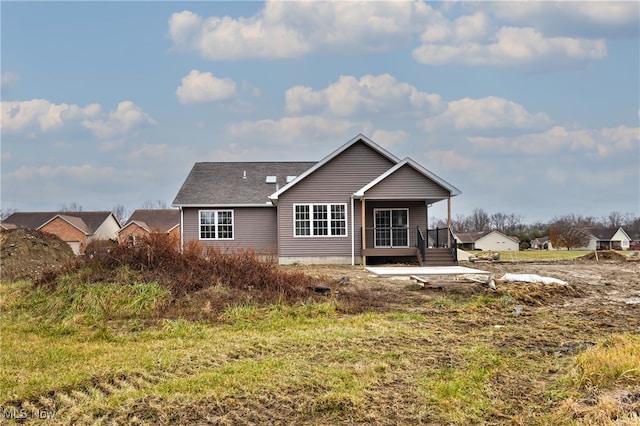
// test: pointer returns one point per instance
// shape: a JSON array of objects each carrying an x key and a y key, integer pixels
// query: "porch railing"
[
  {"x": 454, "y": 246},
  {"x": 443, "y": 238},
  {"x": 422, "y": 245},
  {"x": 390, "y": 237}
]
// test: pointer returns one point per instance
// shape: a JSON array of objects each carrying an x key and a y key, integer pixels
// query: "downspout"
[
  {"x": 353, "y": 238},
  {"x": 181, "y": 230},
  {"x": 449, "y": 221},
  {"x": 364, "y": 234}
]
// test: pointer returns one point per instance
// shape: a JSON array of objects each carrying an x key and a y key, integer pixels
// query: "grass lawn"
[
  {"x": 105, "y": 357},
  {"x": 537, "y": 255}
]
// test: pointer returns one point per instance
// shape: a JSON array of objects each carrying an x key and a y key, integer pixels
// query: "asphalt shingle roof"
[
  {"x": 156, "y": 220},
  {"x": 225, "y": 183},
  {"x": 34, "y": 220}
]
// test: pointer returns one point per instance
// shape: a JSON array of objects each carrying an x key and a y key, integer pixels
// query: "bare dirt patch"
[
  {"x": 26, "y": 253},
  {"x": 606, "y": 288}
]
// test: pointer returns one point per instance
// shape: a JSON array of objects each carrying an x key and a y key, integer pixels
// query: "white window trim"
[
  {"x": 233, "y": 225},
  {"x": 329, "y": 220}
]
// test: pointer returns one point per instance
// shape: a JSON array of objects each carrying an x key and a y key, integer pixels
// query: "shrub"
[{"x": 156, "y": 259}]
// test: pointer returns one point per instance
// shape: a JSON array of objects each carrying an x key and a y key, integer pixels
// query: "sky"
[{"x": 530, "y": 108}]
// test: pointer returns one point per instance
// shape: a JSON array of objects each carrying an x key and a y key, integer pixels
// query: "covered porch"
[
  {"x": 399, "y": 229},
  {"x": 394, "y": 211}
]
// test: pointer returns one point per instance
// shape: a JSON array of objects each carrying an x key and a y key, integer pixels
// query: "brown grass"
[{"x": 223, "y": 278}]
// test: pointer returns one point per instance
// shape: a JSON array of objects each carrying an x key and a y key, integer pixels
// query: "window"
[
  {"x": 391, "y": 227},
  {"x": 216, "y": 224},
  {"x": 320, "y": 220}
]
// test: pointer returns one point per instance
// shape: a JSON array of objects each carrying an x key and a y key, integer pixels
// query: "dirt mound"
[
  {"x": 604, "y": 255},
  {"x": 25, "y": 253}
]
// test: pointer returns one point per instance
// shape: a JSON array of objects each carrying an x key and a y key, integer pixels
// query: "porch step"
[{"x": 439, "y": 257}]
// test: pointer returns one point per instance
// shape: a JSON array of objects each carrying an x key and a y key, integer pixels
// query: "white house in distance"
[
  {"x": 607, "y": 239},
  {"x": 487, "y": 241}
]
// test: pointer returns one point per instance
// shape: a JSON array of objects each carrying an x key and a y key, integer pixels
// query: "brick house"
[
  {"x": 75, "y": 228},
  {"x": 141, "y": 223}
]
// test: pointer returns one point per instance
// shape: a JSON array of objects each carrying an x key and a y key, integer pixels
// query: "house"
[
  {"x": 358, "y": 201},
  {"x": 75, "y": 228},
  {"x": 607, "y": 239},
  {"x": 635, "y": 238},
  {"x": 141, "y": 223},
  {"x": 541, "y": 243},
  {"x": 491, "y": 240}
]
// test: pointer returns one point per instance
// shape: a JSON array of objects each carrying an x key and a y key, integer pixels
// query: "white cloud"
[
  {"x": 448, "y": 160},
  {"x": 513, "y": 46},
  {"x": 595, "y": 142},
  {"x": 126, "y": 118},
  {"x": 586, "y": 17},
  {"x": 371, "y": 94},
  {"x": 78, "y": 173},
  {"x": 8, "y": 79},
  {"x": 290, "y": 129},
  {"x": 388, "y": 138},
  {"x": 204, "y": 87},
  {"x": 293, "y": 29},
  {"x": 42, "y": 114},
  {"x": 483, "y": 114}
]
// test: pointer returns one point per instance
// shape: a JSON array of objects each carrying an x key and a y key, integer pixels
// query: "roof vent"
[
  {"x": 271, "y": 179},
  {"x": 290, "y": 178},
  {"x": 244, "y": 174}
]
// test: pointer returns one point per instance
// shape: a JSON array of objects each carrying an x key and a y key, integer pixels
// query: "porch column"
[
  {"x": 449, "y": 222},
  {"x": 364, "y": 233}
]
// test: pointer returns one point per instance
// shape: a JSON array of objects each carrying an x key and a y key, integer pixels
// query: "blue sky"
[{"x": 528, "y": 108}]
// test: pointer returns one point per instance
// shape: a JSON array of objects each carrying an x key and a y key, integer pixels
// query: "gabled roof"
[
  {"x": 76, "y": 222},
  {"x": 358, "y": 138},
  {"x": 34, "y": 220},
  {"x": 634, "y": 235},
  {"x": 472, "y": 237},
  {"x": 604, "y": 234},
  {"x": 235, "y": 183},
  {"x": 469, "y": 237},
  {"x": 420, "y": 169},
  {"x": 161, "y": 220}
]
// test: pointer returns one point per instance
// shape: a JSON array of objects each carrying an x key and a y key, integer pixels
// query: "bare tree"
[
  {"x": 568, "y": 231},
  {"x": 121, "y": 213},
  {"x": 479, "y": 220},
  {"x": 154, "y": 205},
  {"x": 73, "y": 207},
  {"x": 461, "y": 224},
  {"x": 5, "y": 213},
  {"x": 515, "y": 222},
  {"x": 498, "y": 221}
]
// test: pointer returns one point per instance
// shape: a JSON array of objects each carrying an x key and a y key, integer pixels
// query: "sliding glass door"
[{"x": 391, "y": 227}]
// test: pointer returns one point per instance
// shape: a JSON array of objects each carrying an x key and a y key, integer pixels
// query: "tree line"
[{"x": 564, "y": 231}]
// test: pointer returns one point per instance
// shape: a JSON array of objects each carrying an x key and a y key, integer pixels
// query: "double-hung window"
[
  {"x": 216, "y": 224},
  {"x": 320, "y": 220}
]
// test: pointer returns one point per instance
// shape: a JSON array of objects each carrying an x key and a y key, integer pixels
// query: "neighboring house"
[
  {"x": 487, "y": 241},
  {"x": 541, "y": 243},
  {"x": 635, "y": 239},
  {"x": 141, "y": 223},
  {"x": 606, "y": 239},
  {"x": 7, "y": 226},
  {"x": 75, "y": 228},
  {"x": 358, "y": 201}
]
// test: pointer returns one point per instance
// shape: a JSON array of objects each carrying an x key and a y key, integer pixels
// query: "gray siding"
[
  {"x": 254, "y": 227},
  {"x": 335, "y": 182},
  {"x": 407, "y": 184}
]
